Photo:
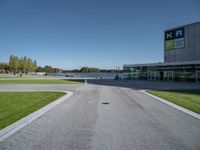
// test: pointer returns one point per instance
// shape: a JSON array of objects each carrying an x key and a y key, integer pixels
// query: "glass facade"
[{"x": 186, "y": 72}]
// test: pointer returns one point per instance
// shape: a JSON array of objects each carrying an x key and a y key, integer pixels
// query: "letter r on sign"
[{"x": 179, "y": 33}]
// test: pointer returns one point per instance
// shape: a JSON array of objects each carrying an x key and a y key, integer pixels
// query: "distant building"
[
  {"x": 181, "y": 57},
  {"x": 40, "y": 73}
]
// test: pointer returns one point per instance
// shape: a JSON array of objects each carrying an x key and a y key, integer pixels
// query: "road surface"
[{"x": 131, "y": 121}]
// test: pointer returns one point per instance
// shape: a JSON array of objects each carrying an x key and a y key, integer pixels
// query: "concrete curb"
[
  {"x": 189, "y": 112},
  {"x": 11, "y": 129}
]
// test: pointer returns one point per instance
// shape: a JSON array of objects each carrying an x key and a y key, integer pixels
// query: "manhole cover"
[{"x": 105, "y": 103}]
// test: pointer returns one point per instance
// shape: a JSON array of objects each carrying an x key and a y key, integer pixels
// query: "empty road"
[{"x": 131, "y": 120}]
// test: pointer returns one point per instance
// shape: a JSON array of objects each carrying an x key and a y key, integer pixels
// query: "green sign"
[{"x": 169, "y": 44}]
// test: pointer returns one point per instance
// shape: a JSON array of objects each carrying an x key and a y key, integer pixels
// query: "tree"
[
  {"x": 25, "y": 64},
  {"x": 11, "y": 62},
  {"x": 84, "y": 69},
  {"x": 87, "y": 70},
  {"x": 29, "y": 65},
  {"x": 15, "y": 64},
  {"x": 48, "y": 69},
  {"x": 34, "y": 65},
  {"x": 21, "y": 65}
]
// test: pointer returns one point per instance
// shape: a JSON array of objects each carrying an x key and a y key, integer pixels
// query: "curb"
[
  {"x": 189, "y": 112},
  {"x": 11, "y": 129}
]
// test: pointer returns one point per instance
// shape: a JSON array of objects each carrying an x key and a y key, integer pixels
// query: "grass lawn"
[
  {"x": 41, "y": 81},
  {"x": 15, "y": 76},
  {"x": 16, "y": 105},
  {"x": 189, "y": 99}
]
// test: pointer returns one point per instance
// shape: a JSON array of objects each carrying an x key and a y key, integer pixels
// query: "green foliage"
[
  {"x": 22, "y": 64},
  {"x": 3, "y": 67},
  {"x": 48, "y": 69},
  {"x": 25, "y": 65},
  {"x": 89, "y": 70}
]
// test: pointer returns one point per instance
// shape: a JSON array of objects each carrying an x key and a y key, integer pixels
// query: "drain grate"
[{"x": 105, "y": 103}]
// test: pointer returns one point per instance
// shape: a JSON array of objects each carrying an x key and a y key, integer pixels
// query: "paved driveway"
[{"x": 131, "y": 120}]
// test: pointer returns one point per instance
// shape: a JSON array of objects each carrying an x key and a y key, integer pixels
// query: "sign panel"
[
  {"x": 169, "y": 44},
  {"x": 179, "y": 43},
  {"x": 175, "y": 39}
]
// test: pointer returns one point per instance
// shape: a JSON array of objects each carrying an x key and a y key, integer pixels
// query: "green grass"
[
  {"x": 189, "y": 99},
  {"x": 16, "y": 105},
  {"x": 41, "y": 81},
  {"x": 15, "y": 76}
]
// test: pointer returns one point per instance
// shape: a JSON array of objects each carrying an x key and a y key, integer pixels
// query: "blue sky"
[{"x": 97, "y": 33}]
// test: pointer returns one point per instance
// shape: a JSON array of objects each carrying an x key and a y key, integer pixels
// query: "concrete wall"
[{"x": 191, "y": 51}]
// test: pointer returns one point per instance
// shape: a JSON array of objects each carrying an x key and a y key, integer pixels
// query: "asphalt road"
[{"x": 131, "y": 121}]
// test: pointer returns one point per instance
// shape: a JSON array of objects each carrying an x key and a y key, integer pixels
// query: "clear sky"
[{"x": 97, "y": 33}]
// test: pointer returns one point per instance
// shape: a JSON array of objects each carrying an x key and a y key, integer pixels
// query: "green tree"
[
  {"x": 29, "y": 65},
  {"x": 84, "y": 69},
  {"x": 34, "y": 65},
  {"x": 21, "y": 66},
  {"x": 25, "y": 64},
  {"x": 88, "y": 69},
  {"x": 11, "y": 63},
  {"x": 15, "y": 64}
]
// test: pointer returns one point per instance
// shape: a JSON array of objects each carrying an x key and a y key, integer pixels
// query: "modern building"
[{"x": 181, "y": 57}]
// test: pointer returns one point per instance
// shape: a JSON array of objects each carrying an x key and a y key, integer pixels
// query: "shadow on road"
[{"x": 144, "y": 84}]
